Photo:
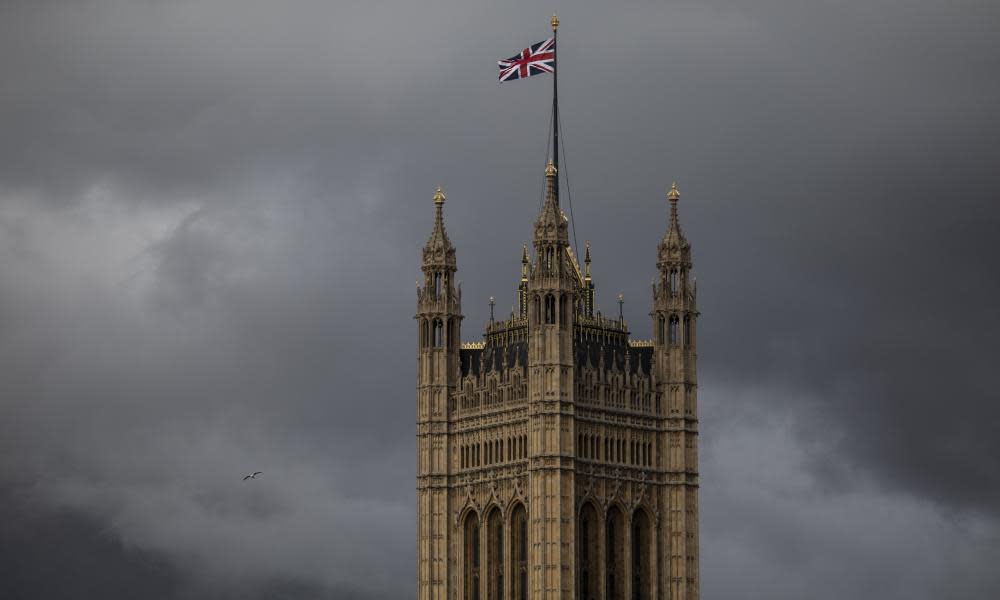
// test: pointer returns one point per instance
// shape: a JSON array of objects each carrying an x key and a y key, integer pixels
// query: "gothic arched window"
[
  {"x": 438, "y": 333},
  {"x": 494, "y": 555},
  {"x": 519, "y": 553},
  {"x": 588, "y": 549},
  {"x": 471, "y": 551},
  {"x": 674, "y": 330},
  {"x": 614, "y": 554},
  {"x": 641, "y": 556}
]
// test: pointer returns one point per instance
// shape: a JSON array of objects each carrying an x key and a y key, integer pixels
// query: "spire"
[
  {"x": 674, "y": 247},
  {"x": 551, "y": 225},
  {"x": 439, "y": 251},
  {"x": 674, "y": 228},
  {"x": 522, "y": 287},
  {"x": 588, "y": 284}
]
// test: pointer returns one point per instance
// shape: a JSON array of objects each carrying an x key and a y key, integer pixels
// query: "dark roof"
[
  {"x": 492, "y": 357},
  {"x": 589, "y": 353}
]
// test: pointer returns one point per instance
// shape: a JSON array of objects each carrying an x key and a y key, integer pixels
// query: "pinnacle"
[
  {"x": 673, "y": 239},
  {"x": 438, "y": 242}
]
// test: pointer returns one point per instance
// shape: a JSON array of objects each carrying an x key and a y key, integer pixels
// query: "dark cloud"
[{"x": 210, "y": 216}]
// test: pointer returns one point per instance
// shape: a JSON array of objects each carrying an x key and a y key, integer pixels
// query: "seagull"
[{"x": 252, "y": 475}]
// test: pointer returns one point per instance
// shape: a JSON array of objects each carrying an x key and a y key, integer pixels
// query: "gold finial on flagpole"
[{"x": 555, "y": 22}]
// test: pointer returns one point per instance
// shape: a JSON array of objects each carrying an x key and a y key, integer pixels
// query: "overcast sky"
[{"x": 211, "y": 215}]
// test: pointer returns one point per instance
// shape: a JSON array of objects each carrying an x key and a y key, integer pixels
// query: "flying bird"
[{"x": 252, "y": 475}]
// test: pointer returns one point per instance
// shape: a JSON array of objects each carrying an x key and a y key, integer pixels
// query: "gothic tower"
[
  {"x": 557, "y": 457},
  {"x": 439, "y": 317},
  {"x": 553, "y": 287},
  {"x": 674, "y": 315}
]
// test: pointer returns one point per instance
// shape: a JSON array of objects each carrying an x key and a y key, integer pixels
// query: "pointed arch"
[
  {"x": 470, "y": 551},
  {"x": 674, "y": 330},
  {"x": 550, "y": 309},
  {"x": 518, "y": 552},
  {"x": 614, "y": 554},
  {"x": 588, "y": 551},
  {"x": 494, "y": 554},
  {"x": 642, "y": 555},
  {"x": 438, "y": 333}
]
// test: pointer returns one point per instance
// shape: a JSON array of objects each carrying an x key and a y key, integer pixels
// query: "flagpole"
[{"x": 555, "y": 103}]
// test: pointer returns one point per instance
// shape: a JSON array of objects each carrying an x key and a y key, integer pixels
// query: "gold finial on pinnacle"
[
  {"x": 555, "y": 22},
  {"x": 439, "y": 197},
  {"x": 550, "y": 170},
  {"x": 673, "y": 195}
]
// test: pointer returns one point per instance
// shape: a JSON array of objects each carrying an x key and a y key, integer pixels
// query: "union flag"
[{"x": 534, "y": 60}]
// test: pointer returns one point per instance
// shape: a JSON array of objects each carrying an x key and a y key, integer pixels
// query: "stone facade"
[{"x": 557, "y": 459}]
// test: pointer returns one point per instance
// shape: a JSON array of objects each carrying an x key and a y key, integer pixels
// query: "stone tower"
[
  {"x": 557, "y": 458},
  {"x": 439, "y": 314}
]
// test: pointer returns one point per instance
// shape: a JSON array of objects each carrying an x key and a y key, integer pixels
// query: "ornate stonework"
[{"x": 557, "y": 458}]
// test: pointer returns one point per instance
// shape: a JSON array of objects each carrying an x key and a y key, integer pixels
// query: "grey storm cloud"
[{"x": 211, "y": 216}]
